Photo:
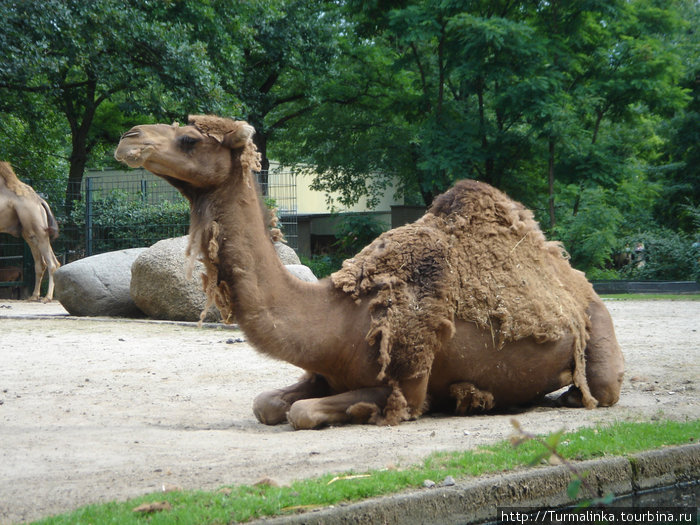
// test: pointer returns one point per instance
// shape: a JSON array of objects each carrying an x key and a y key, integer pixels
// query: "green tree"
[
  {"x": 679, "y": 169},
  {"x": 69, "y": 58}
]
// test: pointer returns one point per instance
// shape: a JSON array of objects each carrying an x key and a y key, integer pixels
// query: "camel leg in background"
[
  {"x": 44, "y": 259},
  {"x": 356, "y": 406},
  {"x": 605, "y": 364},
  {"x": 39, "y": 266},
  {"x": 52, "y": 267},
  {"x": 271, "y": 407}
]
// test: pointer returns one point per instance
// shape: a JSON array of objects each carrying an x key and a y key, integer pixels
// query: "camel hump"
[
  {"x": 481, "y": 203},
  {"x": 12, "y": 182}
]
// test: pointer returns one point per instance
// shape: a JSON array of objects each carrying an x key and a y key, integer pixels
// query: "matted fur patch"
[{"x": 478, "y": 256}]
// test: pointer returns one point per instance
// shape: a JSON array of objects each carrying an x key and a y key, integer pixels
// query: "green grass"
[
  {"x": 651, "y": 297},
  {"x": 242, "y": 503}
]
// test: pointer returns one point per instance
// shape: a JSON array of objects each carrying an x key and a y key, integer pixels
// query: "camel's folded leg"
[
  {"x": 470, "y": 399},
  {"x": 356, "y": 406},
  {"x": 271, "y": 407},
  {"x": 605, "y": 364}
]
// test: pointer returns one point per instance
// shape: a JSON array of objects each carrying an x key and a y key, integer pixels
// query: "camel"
[
  {"x": 23, "y": 212},
  {"x": 467, "y": 310}
]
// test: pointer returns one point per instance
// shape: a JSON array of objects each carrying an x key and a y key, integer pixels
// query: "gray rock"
[
  {"x": 286, "y": 254},
  {"x": 302, "y": 272},
  {"x": 160, "y": 288},
  {"x": 98, "y": 285}
]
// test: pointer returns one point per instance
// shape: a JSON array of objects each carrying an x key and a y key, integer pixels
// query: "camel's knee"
[
  {"x": 355, "y": 406},
  {"x": 305, "y": 414},
  {"x": 605, "y": 364},
  {"x": 271, "y": 407},
  {"x": 606, "y": 387}
]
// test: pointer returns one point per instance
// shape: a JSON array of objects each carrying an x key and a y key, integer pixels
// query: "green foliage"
[
  {"x": 321, "y": 265},
  {"x": 590, "y": 236},
  {"x": 354, "y": 232},
  {"x": 666, "y": 255},
  {"x": 587, "y": 112},
  {"x": 69, "y": 59},
  {"x": 120, "y": 221}
]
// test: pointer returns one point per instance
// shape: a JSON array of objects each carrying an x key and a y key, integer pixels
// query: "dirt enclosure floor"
[{"x": 93, "y": 410}]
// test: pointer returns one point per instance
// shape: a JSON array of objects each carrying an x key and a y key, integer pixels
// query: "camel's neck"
[{"x": 270, "y": 305}]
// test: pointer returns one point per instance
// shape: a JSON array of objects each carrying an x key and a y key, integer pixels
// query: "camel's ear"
[{"x": 240, "y": 136}]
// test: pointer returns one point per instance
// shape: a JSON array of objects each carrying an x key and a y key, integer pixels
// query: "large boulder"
[
  {"x": 301, "y": 272},
  {"x": 160, "y": 287},
  {"x": 98, "y": 285},
  {"x": 286, "y": 254}
]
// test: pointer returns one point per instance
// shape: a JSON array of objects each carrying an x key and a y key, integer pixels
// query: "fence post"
[{"x": 88, "y": 216}]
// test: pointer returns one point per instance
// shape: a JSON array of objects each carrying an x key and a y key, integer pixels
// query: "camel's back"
[{"x": 478, "y": 256}]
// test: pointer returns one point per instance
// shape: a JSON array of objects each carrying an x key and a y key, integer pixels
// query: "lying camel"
[
  {"x": 23, "y": 212},
  {"x": 466, "y": 310}
]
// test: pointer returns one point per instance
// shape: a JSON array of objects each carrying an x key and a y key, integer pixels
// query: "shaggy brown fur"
[
  {"x": 24, "y": 213},
  {"x": 468, "y": 309},
  {"x": 478, "y": 256}
]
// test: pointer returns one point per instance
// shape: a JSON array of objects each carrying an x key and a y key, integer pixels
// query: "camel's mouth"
[{"x": 131, "y": 155}]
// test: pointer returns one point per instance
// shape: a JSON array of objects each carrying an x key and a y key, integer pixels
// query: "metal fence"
[{"x": 120, "y": 210}]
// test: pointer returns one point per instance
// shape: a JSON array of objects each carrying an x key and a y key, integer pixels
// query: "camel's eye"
[{"x": 186, "y": 143}]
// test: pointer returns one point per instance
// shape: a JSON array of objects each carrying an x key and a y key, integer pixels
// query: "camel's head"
[{"x": 199, "y": 154}]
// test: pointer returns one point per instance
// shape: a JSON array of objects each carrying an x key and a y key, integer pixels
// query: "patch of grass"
[
  {"x": 651, "y": 297},
  {"x": 243, "y": 503}
]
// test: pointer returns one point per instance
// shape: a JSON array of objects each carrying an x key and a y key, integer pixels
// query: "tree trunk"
[
  {"x": 78, "y": 161},
  {"x": 260, "y": 141},
  {"x": 550, "y": 182}
]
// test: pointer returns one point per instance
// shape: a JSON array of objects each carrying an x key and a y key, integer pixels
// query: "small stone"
[
  {"x": 449, "y": 481},
  {"x": 429, "y": 484}
]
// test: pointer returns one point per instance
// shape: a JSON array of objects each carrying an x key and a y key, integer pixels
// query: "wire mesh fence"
[{"x": 120, "y": 210}]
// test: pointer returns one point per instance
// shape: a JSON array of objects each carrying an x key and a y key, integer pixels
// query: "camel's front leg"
[
  {"x": 271, "y": 407},
  {"x": 356, "y": 406}
]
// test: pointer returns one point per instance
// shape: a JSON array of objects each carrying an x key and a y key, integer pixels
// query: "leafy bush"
[
  {"x": 118, "y": 221},
  {"x": 666, "y": 256},
  {"x": 321, "y": 265},
  {"x": 354, "y": 232},
  {"x": 591, "y": 235}
]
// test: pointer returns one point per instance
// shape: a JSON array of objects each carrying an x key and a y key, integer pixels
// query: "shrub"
[
  {"x": 590, "y": 235},
  {"x": 118, "y": 221},
  {"x": 666, "y": 256},
  {"x": 354, "y": 232},
  {"x": 321, "y": 265}
]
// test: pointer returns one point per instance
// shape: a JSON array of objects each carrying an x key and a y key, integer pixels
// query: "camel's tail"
[{"x": 53, "y": 225}]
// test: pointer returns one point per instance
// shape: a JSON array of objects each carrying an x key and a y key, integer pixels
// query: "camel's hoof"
[{"x": 572, "y": 398}]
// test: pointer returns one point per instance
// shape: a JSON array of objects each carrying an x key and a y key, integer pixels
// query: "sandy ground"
[{"x": 94, "y": 410}]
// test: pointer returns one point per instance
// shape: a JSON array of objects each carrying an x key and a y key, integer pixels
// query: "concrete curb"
[{"x": 476, "y": 501}]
